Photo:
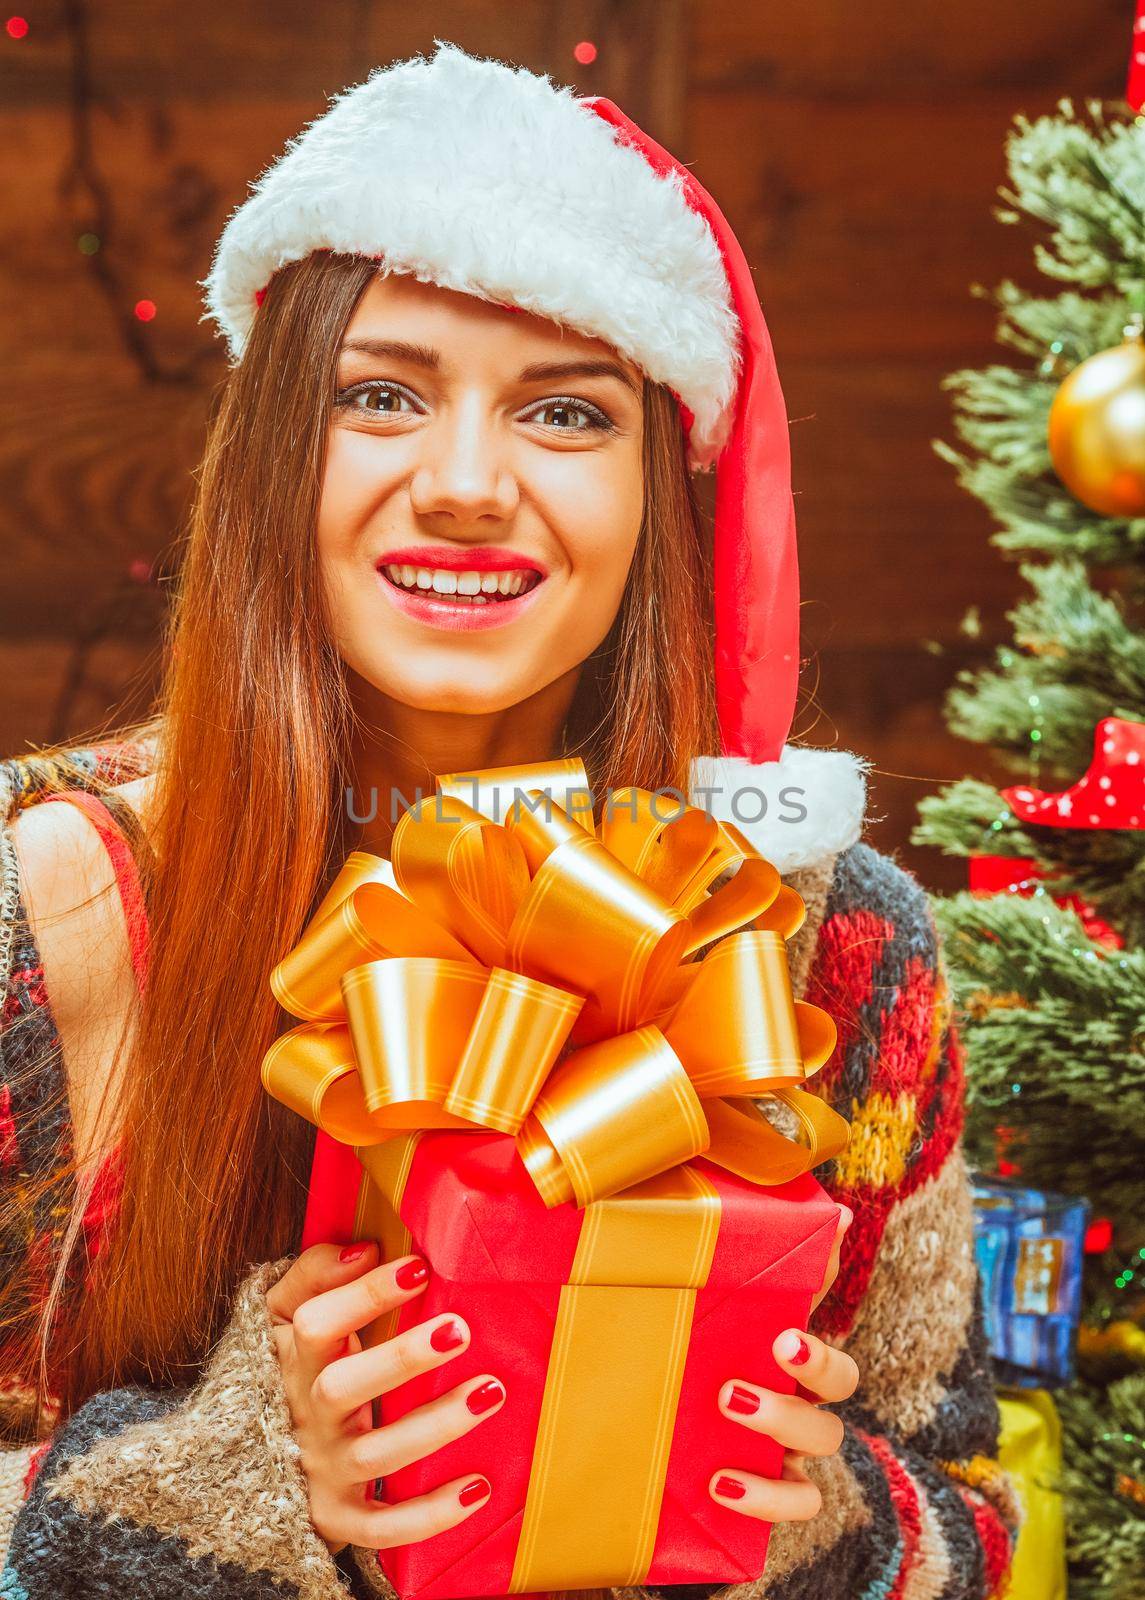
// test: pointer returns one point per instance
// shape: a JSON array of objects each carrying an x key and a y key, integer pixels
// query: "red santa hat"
[{"x": 493, "y": 181}]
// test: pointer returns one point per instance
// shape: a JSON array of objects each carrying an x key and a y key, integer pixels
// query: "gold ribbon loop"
[
  {"x": 369, "y": 922},
  {"x": 590, "y": 923},
  {"x": 497, "y": 792},
  {"x": 614, "y": 1113},
  {"x": 467, "y": 872},
  {"x": 539, "y": 977}
]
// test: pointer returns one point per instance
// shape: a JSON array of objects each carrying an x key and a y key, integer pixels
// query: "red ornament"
[
  {"x": 585, "y": 52},
  {"x": 17, "y": 27},
  {"x": 1098, "y": 1236},
  {"x": 1110, "y": 795},
  {"x": 145, "y": 310},
  {"x": 1135, "y": 89},
  {"x": 1019, "y": 875}
]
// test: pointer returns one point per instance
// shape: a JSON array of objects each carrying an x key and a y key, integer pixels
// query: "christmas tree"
[{"x": 1049, "y": 976}]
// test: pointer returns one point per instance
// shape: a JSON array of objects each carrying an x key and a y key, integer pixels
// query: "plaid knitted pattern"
[
  {"x": 35, "y": 1133},
  {"x": 914, "y": 1505}
]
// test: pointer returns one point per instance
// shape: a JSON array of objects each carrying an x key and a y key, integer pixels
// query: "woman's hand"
[
  {"x": 791, "y": 1420},
  {"x": 318, "y": 1308}
]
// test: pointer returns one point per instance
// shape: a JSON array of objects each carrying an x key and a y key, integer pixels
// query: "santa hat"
[{"x": 491, "y": 180}]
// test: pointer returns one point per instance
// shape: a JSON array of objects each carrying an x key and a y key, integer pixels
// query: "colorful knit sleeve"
[
  {"x": 181, "y": 1494},
  {"x": 160, "y": 1495},
  {"x": 915, "y": 1506}
]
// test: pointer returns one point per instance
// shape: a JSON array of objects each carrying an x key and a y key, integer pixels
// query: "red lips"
[{"x": 449, "y": 558}]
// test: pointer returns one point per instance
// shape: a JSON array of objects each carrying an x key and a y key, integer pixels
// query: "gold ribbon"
[
  {"x": 604, "y": 1433},
  {"x": 540, "y": 975}
]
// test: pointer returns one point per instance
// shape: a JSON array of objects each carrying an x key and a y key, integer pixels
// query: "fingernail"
[
  {"x": 731, "y": 1488},
  {"x": 447, "y": 1336},
  {"x": 793, "y": 1348},
  {"x": 485, "y": 1397},
  {"x": 412, "y": 1274},
  {"x": 354, "y": 1252},
  {"x": 474, "y": 1491},
  {"x": 743, "y": 1400}
]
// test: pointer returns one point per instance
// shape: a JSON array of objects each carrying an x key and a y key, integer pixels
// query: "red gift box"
[{"x": 601, "y": 1456}]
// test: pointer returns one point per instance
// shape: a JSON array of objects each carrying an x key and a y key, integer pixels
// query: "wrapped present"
[
  {"x": 612, "y": 1328},
  {"x": 1030, "y": 1452},
  {"x": 540, "y": 1056},
  {"x": 1030, "y": 1247}
]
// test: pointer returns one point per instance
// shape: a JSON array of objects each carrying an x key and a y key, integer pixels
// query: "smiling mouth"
[{"x": 462, "y": 588}]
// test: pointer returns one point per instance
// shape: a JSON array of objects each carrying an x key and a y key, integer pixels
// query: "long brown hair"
[{"x": 253, "y": 721}]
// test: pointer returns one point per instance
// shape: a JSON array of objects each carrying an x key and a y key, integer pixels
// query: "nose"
[{"x": 462, "y": 472}]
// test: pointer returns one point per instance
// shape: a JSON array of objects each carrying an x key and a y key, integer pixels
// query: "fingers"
[
  {"x": 322, "y": 1324},
  {"x": 790, "y": 1420},
  {"x": 831, "y": 1272},
  {"x": 345, "y": 1384},
  {"x": 789, "y": 1498},
  {"x": 378, "y": 1527},
  {"x": 322, "y": 1267},
  {"x": 827, "y": 1373},
  {"x": 411, "y": 1438}
]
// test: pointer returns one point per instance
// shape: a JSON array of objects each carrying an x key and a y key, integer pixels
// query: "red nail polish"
[
  {"x": 731, "y": 1488},
  {"x": 801, "y": 1355},
  {"x": 354, "y": 1252},
  {"x": 412, "y": 1274},
  {"x": 472, "y": 1492},
  {"x": 486, "y": 1397},
  {"x": 743, "y": 1400},
  {"x": 447, "y": 1336}
]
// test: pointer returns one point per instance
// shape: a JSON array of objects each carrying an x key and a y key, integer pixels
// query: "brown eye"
[
  {"x": 382, "y": 400},
  {"x": 561, "y": 415},
  {"x": 379, "y": 399},
  {"x": 572, "y": 416}
]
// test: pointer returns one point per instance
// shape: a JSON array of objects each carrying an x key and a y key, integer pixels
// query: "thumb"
[
  {"x": 322, "y": 1267},
  {"x": 846, "y": 1217}
]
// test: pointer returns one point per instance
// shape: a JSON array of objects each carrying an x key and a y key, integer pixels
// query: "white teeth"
[{"x": 475, "y": 588}]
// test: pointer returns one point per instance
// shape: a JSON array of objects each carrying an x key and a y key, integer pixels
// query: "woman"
[{"x": 495, "y": 328}]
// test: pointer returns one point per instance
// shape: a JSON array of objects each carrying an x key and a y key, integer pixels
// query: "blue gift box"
[{"x": 1030, "y": 1246}]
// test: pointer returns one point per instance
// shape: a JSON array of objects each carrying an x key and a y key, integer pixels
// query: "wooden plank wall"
[{"x": 855, "y": 149}]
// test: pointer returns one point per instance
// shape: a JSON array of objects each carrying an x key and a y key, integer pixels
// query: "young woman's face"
[{"x": 482, "y": 497}]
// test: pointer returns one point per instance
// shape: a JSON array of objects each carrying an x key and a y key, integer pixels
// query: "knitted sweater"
[{"x": 199, "y": 1492}]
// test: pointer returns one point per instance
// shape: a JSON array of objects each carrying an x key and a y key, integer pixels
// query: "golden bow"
[{"x": 537, "y": 976}]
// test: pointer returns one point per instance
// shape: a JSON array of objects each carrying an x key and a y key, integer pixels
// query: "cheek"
[
  {"x": 346, "y": 487},
  {"x": 598, "y": 515}
]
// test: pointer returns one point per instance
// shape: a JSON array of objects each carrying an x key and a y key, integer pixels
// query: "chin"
[{"x": 455, "y": 699}]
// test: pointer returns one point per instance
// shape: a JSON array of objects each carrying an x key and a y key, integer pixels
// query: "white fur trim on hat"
[
  {"x": 796, "y": 811},
  {"x": 493, "y": 181}
]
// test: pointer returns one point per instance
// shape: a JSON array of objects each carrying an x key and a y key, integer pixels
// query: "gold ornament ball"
[{"x": 1097, "y": 431}]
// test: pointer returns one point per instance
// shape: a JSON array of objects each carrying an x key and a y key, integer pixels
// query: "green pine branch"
[
  {"x": 1053, "y": 1023},
  {"x": 1078, "y": 659},
  {"x": 1103, "y": 1449},
  {"x": 1002, "y": 414},
  {"x": 1086, "y": 184},
  {"x": 1054, "y": 1032}
]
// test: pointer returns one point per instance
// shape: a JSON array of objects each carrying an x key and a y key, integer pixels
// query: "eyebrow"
[{"x": 420, "y": 355}]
